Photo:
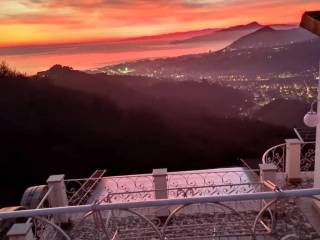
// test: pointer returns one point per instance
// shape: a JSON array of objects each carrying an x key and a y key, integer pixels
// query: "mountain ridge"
[
  {"x": 276, "y": 51},
  {"x": 270, "y": 37},
  {"x": 226, "y": 34}
]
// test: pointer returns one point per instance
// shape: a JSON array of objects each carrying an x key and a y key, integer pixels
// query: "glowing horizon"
[{"x": 29, "y": 22}]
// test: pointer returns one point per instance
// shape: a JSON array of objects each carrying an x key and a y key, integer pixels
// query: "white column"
[
  {"x": 268, "y": 172},
  {"x": 160, "y": 183},
  {"x": 21, "y": 231},
  {"x": 293, "y": 153},
  {"x": 161, "y": 190},
  {"x": 58, "y": 196}
]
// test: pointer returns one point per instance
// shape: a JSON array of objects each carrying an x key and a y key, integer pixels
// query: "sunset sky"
[{"x": 59, "y": 21}]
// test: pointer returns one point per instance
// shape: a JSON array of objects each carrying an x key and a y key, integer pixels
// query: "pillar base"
[
  {"x": 21, "y": 231},
  {"x": 268, "y": 172},
  {"x": 294, "y": 180}
]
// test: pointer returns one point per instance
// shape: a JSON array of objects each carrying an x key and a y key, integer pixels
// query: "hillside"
[
  {"x": 47, "y": 129},
  {"x": 282, "y": 112},
  {"x": 269, "y": 37},
  {"x": 161, "y": 95}
]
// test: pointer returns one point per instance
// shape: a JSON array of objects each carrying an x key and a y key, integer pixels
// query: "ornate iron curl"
[
  {"x": 98, "y": 224},
  {"x": 72, "y": 186},
  {"x": 44, "y": 222},
  {"x": 276, "y": 155},
  {"x": 208, "y": 183},
  {"x": 262, "y": 211},
  {"x": 128, "y": 189},
  {"x": 307, "y": 157},
  {"x": 220, "y": 205}
]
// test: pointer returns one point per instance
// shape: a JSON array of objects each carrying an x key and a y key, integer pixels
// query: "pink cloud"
[{"x": 109, "y": 18}]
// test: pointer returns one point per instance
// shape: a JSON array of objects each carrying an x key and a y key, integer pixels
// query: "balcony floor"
[
  {"x": 291, "y": 220},
  {"x": 295, "y": 217},
  {"x": 306, "y": 205}
]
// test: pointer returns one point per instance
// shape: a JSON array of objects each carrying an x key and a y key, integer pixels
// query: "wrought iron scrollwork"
[
  {"x": 212, "y": 183},
  {"x": 45, "y": 229},
  {"x": 277, "y": 156},
  {"x": 307, "y": 157},
  {"x": 127, "y": 189}
]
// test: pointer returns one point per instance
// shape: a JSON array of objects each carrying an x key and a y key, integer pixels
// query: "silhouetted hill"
[
  {"x": 228, "y": 34},
  {"x": 283, "y": 112},
  {"x": 164, "y": 96},
  {"x": 120, "y": 89},
  {"x": 269, "y": 37},
  {"x": 47, "y": 129}
]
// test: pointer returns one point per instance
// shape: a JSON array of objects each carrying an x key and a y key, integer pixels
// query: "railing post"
[
  {"x": 160, "y": 183},
  {"x": 58, "y": 196},
  {"x": 21, "y": 231},
  {"x": 293, "y": 152},
  {"x": 160, "y": 188},
  {"x": 268, "y": 172}
]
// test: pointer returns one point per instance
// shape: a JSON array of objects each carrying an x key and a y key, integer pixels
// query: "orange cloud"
[{"x": 48, "y": 21}]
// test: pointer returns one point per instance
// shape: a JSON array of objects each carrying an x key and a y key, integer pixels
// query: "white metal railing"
[
  {"x": 211, "y": 202},
  {"x": 141, "y": 187},
  {"x": 181, "y": 192},
  {"x": 277, "y": 156},
  {"x": 210, "y": 183},
  {"x": 178, "y": 185},
  {"x": 103, "y": 219},
  {"x": 162, "y": 202},
  {"x": 307, "y": 157}
]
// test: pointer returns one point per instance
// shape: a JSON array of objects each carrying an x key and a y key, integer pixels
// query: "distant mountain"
[
  {"x": 176, "y": 35},
  {"x": 249, "y": 26},
  {"x": 293, "y": 58},
  {"x": 283, "y": 26},
  {"x": 228, "y": 34},
  {"x": 269, "y": 37},
  {"x": 281, "y": 112}
]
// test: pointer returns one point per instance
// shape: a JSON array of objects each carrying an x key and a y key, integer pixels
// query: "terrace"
[
  {"x": 224, "y": 203},
  {"x": 274, "y": 201}
]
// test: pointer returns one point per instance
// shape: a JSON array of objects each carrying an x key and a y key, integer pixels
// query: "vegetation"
[
  {"x": 46, "y": 129},
  {"x": 283, "y": 112}
]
